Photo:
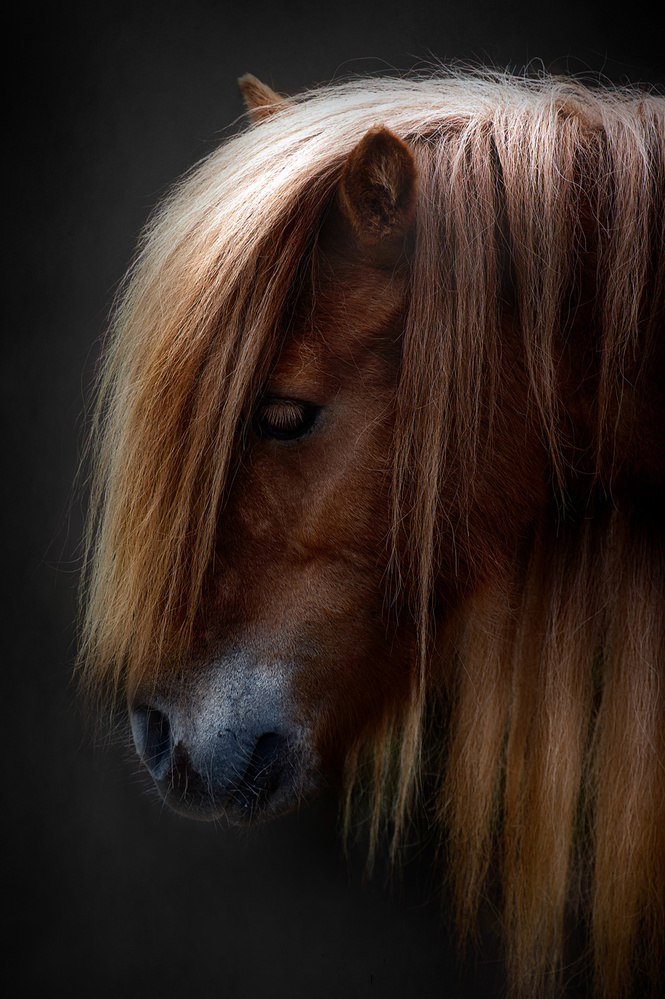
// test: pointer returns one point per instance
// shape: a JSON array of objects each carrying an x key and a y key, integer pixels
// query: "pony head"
[{"x": 381, "y": 431}]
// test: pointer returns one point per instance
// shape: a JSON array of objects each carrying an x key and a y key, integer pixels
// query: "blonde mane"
[{"x": 554, "y": 666}]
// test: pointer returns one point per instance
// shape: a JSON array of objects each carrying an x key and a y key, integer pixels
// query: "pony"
[{"x": 378, "y": 488}]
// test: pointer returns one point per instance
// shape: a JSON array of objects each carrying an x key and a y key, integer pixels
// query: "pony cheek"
[{"x": 354, "y": 691}]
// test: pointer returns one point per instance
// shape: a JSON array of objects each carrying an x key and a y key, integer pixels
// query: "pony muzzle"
[{"x": 239, "y": 757}]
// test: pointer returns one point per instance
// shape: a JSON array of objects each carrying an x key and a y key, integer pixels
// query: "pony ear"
[
  {"x": 376, "y": 194},
  {"x": 260, "y": 100}
]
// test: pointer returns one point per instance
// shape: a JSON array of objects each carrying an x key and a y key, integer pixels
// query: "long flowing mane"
[{"x": 539, "y": 236}]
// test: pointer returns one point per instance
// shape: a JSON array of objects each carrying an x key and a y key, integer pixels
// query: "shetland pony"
[{"x": 380, "y": 439}]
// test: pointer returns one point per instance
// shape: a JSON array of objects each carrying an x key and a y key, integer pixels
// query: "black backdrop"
[{"x": 105, "y": 104}]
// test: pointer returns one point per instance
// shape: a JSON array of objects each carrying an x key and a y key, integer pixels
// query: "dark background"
[{"x": 105, "y": 105}]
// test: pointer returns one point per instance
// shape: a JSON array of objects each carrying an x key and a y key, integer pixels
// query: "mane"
[{"x": 554, "y": 666}]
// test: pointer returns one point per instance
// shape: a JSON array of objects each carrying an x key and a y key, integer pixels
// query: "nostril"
[
  {"x": 152, "y": 737},
  {"x": 267, "y": 762},
  {"x": 269, "y": 746}
]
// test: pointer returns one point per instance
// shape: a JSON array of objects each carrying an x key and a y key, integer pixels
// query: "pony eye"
[{"x": 285, "y": 419}]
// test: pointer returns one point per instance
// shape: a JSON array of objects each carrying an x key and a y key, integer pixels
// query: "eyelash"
[{"x": 285, "y": 419}]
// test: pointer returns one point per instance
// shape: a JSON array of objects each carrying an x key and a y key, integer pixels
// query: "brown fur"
[
  {"x": 261, "y": 101},
  {"x": 468, "y": 276},
  {"x": 377, "y": 187}
]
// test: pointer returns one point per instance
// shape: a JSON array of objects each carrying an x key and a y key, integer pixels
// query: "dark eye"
[{"x": 285, "y": 419}]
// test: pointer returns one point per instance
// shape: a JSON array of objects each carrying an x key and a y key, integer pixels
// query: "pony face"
[
  {"x": 297, "y": 655},
  {"x": 380, "y": 440}
]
